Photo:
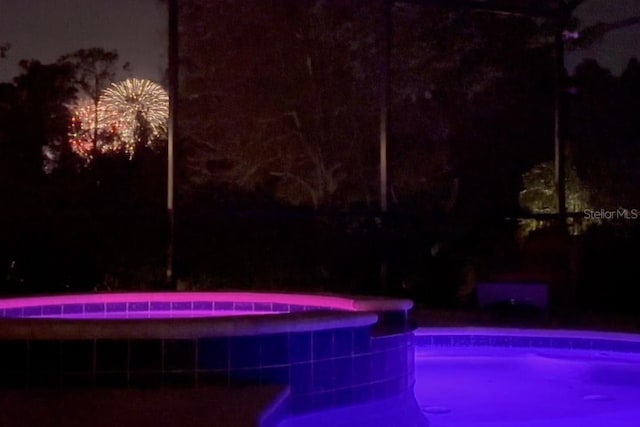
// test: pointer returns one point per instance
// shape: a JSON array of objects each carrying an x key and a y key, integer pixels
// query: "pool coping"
[
  {"x": 525, "y": 332},
  {"x": 180, "y": 328},
  {"x": 329, "y": 312},
  {"x": 340, "y": 302}
]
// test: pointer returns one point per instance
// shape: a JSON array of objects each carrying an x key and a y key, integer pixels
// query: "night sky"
[
  {"x": 618, "y": 46},
  {"x": 45, "y": 30}
]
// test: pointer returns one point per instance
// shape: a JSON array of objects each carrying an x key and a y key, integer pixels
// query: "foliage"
[
  {"x": 304, "y": 127},
  {"x": 94, "y": 69},
  {"x": 605, "y": 131},
  {"x": 539, "y": 195},
  {"x": 39, "y": 115},
  {"x": 294, "y": 125},
  {"x": 4, "y": 48}
]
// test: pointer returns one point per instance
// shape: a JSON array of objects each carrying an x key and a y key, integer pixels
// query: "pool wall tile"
[
  {"x": 14, "y": 312},
  {"x": 112, "y": 355},
  {"x": 14, "y": 356},
  {"x": 111, "y": 379},
  {"x": 275, "y": 375},
  {"x": 343, "y": 372},
  {"x": 213, "y": 353},
  {"x": 116, "y": 307},
  {"x": 44, "y": 356},
  {"x": 138, "y": 306},
  {"x": 461, "y": 341},
  {"x": 72, "y": 308},
  {"x": 323, "y": 376},
  {"x": 181, "y": 305},
  {"x": 343, "y": 342},
  {"x": 301, "y": 375},
  {"x": 280, "y": 308},
  {"x": 32, "y": 311},
  {"x": 299, "y": 347},
  {"x": 52, "y": 310},
  {"x": 568, "y": 343},
  {"x": 501, "y": 341},
  {"x": 443, "y": 341},
  {"x": 223, "y": 306},
  {"x": 322, "y": 344},
  {"x": 541, "y": 342},
  {"x": 262, "y": 306},
  {"x": 179, "y": 354},
  {"x": 274, "y": 350},
  {"x": 361, "y": 340},
  {"x": 361, "y": 366},
  {"x": 145, "y": 380},
  {"x": 145, "y": 355},
  {"x": 203, "y": 305},
  {"x": 77, "y": 356},
  {"x": 242, "y": 306},
  {"x": 46, "y": 379},
  {"x": 215, "y": 377},
  {"x": 179, "y": 379},
  {"x": 520, "y": 342},
  {"x": 244, "y": 352},
  {"x": 238, "y": 377},
  {"x": 160, "y": 306},
  {"x": 95, "y": 307},
  {"x": 13, "y": 380},
  {"x": 77, "y": 380}
]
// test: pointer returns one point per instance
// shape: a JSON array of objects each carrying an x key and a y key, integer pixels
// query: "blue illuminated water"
[{"x": 506, "y": 387}]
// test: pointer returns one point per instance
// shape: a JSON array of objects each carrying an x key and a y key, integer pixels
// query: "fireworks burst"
[
  {"x": 83, "y": 133},
  {"x": 130, "y": 113},
  {"x": 81, "y": 130},
  {"x": 137, "y": 103}
]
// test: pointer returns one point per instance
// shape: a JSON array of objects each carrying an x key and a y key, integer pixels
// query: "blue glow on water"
[{"x": 527, "y": 387}]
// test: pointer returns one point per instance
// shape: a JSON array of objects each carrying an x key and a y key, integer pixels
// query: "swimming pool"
[
  {"x": 341, "y": 361},
  {"x": 527, "y": 378}
]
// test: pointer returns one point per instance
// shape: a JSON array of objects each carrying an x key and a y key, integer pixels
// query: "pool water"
[{"x": 500, "y": 387}]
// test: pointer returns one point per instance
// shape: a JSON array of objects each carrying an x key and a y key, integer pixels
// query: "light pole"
[
  {"x": 384, "y": 100},
  {"x": 171, "y": 136}
]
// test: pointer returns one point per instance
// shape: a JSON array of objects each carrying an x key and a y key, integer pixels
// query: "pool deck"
[
  {"x": 567, "y": 319},
  {"x": 200, "y": 407}
]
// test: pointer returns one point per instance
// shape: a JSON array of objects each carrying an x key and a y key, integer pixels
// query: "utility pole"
[
  {"x": 558, "y": 126},
  {"x": 385, "y": 45},
  {"x": 563, "y": 16},
  {"x": 171, "y": 136}
]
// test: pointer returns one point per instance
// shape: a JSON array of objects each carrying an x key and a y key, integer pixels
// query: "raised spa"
[{"x": 328, "y": 351}]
